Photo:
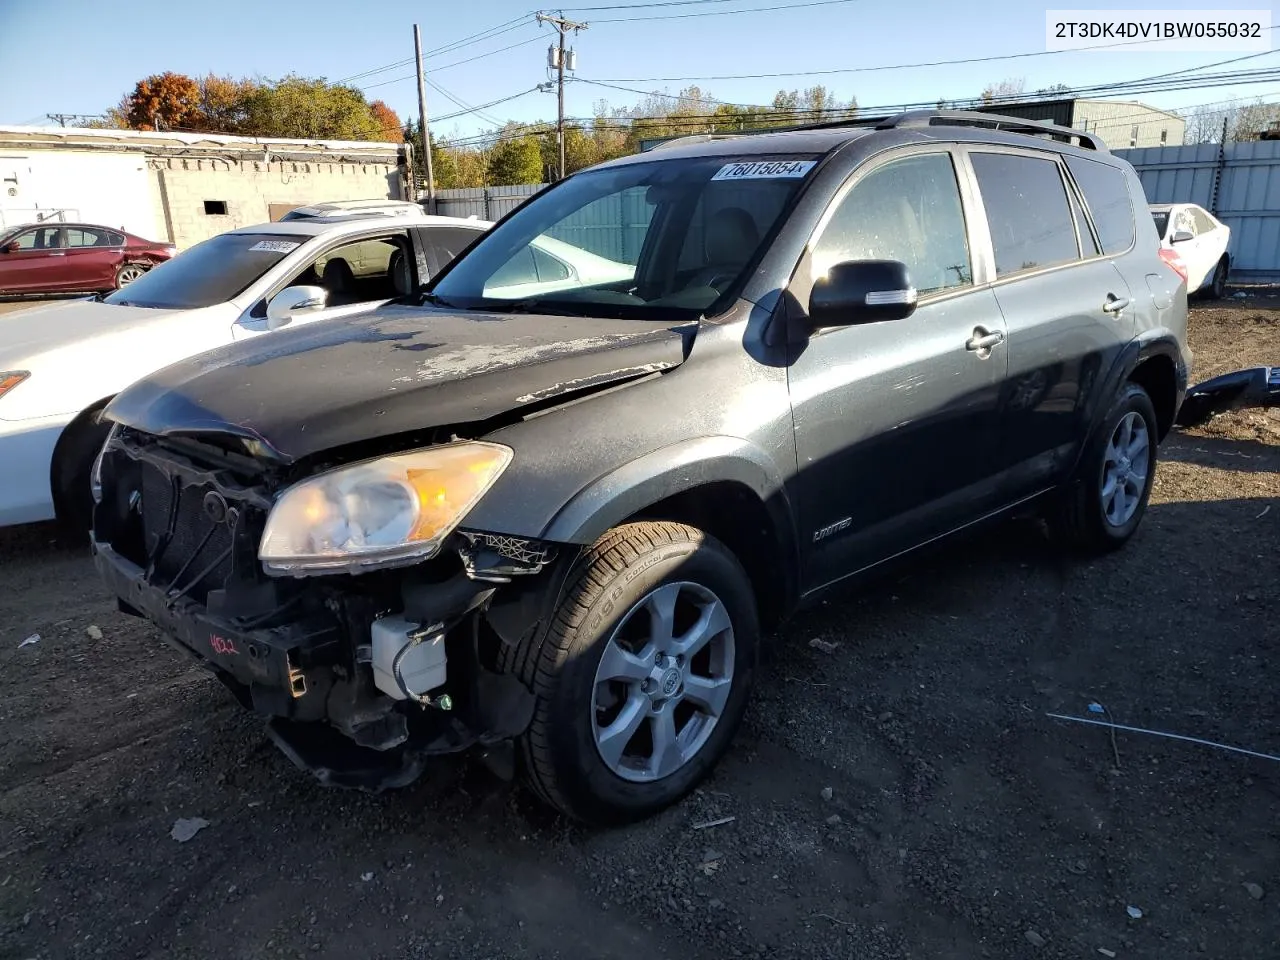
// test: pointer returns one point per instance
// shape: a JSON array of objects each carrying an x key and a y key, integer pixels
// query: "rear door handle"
[
  {"x": 57, "y": 253},
  {"x": 1115, "y": 304},
  {"x": 984, "y": 341}
]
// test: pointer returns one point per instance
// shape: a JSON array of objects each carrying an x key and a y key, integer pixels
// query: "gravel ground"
[{"x": 904, "y": 796}]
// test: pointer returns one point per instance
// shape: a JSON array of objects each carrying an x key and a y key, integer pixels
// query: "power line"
[
  {"x": 724, "y": 13},
  {"x": 887, "y": 66},
  {"x": 463, "y": 103},
  {"x": 486, "y": 106},
  {"x": 456, "y": 63},
  {"x": 505, "y": 27},
  {"x": 640, "y": 6}
]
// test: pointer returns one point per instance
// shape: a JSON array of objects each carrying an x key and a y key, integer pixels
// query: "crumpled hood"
[
  {"x": 48, "y": 326},
  {"x": 397, "y": 369}
]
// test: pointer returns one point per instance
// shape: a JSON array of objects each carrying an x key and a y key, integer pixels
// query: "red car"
[{"x": 74, "y": 257}]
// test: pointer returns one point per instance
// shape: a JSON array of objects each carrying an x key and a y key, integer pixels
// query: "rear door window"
[
  {"x": 1106, "y": 191},
  {"x": 85, "y": 237},
  {"x": 1027, "y": 211},
  {"x": 442, "y": 244}
]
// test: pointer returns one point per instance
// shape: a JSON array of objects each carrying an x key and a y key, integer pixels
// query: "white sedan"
[
  {"x": 1201, "y": 239},
  {"x": 62, "y": 362}
]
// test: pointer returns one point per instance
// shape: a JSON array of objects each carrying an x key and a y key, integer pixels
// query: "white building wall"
[
  {"x": 113, "y": 189},
  {"x": 249, "y": 189},
  {"x": 1124, "y": 124}
]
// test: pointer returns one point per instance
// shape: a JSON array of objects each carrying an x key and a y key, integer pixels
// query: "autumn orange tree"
[
  {"x": 290, "y": 107},
  {"x": 392, "y": 130},
  {"x": 163, "y": 101}
]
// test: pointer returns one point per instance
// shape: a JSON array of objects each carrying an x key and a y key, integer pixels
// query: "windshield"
[
  {"x": 1162, "y": 221},
  {"x": 651, "y": 239},
  {"x": 215, "y": 271}
]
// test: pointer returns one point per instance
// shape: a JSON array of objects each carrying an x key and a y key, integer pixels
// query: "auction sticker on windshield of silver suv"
[{"x": 766, "y": 169}]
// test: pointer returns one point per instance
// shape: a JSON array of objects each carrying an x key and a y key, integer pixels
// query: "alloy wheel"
[
  {"x": 1125, "y": 469},
  {"x": 663, "y": 682},
  {"x": 128, "y": 274}
]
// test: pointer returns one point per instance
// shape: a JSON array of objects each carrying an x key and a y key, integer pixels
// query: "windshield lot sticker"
[
  {"x": 275, "y": 246},
  {"x": 764, "y": 170}
]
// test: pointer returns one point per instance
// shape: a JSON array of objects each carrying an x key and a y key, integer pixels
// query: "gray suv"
[{"x": 554, "y": 525}]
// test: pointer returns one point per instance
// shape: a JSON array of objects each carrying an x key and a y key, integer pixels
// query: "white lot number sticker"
[
  {"x": 765, "y": 170},
  {"x": 275, "y": 246}
]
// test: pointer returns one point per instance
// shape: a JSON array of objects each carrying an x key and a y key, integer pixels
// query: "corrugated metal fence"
[
  {"x": 1239, "y": 183},
  {"x": 487, "y": 203}
]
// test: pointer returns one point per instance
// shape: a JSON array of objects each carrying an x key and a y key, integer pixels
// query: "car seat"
[
  {"x": 340, "y": 281},
  {"x": 731, "y": 238}
]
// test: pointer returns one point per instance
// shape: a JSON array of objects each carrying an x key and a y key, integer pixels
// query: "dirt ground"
[{"x": 962, "y": 822}]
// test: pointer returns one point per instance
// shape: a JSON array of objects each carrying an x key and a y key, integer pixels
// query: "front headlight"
[
  {"x": 10, "y": 379},
  {"x": 378, "y": 513}
]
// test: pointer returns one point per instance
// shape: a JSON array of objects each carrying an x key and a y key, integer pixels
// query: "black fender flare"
[
  {"x": 678, "y": 468},
  {"x": 1134, "y": 353}
]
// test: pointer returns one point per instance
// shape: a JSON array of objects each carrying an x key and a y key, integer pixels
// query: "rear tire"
[
  {"x": 596, "y": 718},
  {"x": 1101, "y": 508},
  {"x": 128, "y": 273},
  {"x": 72, "y": 474},
  {"x": 1218, "y": 286}
]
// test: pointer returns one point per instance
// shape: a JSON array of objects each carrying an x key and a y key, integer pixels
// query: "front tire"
[
  {"x": 1104, "y": 504},
  {"x": 72, "y": 469},
  {"x": 642, "y": 676}
]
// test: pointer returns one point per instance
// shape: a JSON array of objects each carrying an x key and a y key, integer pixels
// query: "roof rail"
[
  {"x": 915, "y": 119},
  {"x": 692, "y": 138}
]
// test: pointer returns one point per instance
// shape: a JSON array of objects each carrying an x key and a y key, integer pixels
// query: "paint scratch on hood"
[
  {"x": 476, "y": 359},
  {"x": 582, "y": 383}
]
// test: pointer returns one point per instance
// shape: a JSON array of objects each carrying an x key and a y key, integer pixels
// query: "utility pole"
[
  {"x": 422, "y": 120},
  {"x": 559, "y": 59}
]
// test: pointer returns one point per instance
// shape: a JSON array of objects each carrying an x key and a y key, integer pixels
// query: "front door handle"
[
  {"x": 57, "y": 254},
  {"x": 984, "y": 341},
  {"x": 1115, "y": 304}
]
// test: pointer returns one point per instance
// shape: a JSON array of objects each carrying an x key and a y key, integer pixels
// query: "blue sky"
[{"x": 80, "y": 56}]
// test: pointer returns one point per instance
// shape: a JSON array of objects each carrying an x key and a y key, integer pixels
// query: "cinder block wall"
[{"x": 249, "y": 188}]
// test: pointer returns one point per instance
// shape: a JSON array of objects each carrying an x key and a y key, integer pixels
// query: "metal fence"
[
  {"x": 1238, "y": 182},
  {"x": 487, "y": 203}
]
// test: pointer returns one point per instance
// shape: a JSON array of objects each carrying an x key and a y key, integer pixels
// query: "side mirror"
[
  {"x": 291, "y": 301},
  {"x": 1181, "y": 236},
  {"x": 862, "y": 291}
]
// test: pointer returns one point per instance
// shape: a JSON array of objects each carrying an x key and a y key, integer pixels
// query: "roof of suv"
[{"x": 349, "y": 224}]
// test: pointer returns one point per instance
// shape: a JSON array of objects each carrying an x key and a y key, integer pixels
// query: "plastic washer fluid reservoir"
[{"x": 422, "y": 669}]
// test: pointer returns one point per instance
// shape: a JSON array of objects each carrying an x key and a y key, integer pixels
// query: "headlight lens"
[
  {"x": 10, "y": 379},
  {"x": 383, "y": 512}
]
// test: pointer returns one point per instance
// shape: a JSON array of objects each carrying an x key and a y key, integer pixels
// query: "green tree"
[
  {"x": 300, "y": 108},
  {"x": 515, "y": 159}
]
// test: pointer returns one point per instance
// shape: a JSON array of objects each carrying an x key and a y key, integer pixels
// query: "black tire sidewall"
[
  {"x": 1217, "y": 290},
  {"x": 593, "y": 790},
  {"x": 1132, "y": 399}
]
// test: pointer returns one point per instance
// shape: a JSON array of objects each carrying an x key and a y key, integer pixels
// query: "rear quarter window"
[{"x": 1106, "y": 191}]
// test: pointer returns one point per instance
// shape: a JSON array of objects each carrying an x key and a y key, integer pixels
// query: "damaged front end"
[{"x": 364, "y": 670}]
